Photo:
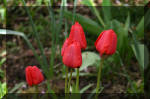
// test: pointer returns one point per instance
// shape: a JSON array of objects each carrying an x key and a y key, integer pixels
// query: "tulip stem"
[
  {"x": 36, "y": 91},
  {"x": 77, "y": 80},
  {"x": 99, "y": 77},
  {"x": 69, "y": 80},
  {"x": 66, "y": 80}
]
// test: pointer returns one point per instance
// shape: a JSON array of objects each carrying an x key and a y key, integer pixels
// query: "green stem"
[
  {"x": 77, "y": 81},
  {"x": 69, "y": 80},
  {"x": 50, "y": 90},
  {"x": 36, "y": 91},
  {"x": 99, "y": 77},
  {"x": 66, "y": 80}
]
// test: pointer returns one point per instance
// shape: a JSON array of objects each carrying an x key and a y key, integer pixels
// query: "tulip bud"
[
  {"x": 106, "y": 42},
  {"x": 33, "y": 75},
  {"x": 72, "y": 55},
  {"x": 77, "y": 34}
]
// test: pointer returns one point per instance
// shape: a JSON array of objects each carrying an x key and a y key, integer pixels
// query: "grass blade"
[
  {"x": 36, "y": 34},
  {"x": 53, "y": 26},
  {"x": 62, "y": 8}
]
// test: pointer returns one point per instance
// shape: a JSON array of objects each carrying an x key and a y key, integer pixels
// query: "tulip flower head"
[
  {"x": 106, "y": 42},
  {"x": 77, "y": 34},
  {"x": 72, "y": 55},
  {"x": 33, "y": 75}
]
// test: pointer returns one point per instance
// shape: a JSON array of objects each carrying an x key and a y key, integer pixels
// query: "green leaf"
[
  {"x": 106, "y": 3},
  {"x": 2, "y": 61},
  {"x": 146, "y": 1},
  {"x": 17, "y": 86},
  {"x": 73, "y": 88},
  {"x": 85, "y": 88},
  {"x": 146, "y": 19},
  {"x": 142, "y": 55},
  {"x": 146, "y": 57},
  {"x": 140, "y": 28},
  {"x": 127, "y": 25},
  {"x": 94, "y": 91},
  {"x": 93, "y": 8},
  {"x": 3, "y": 89},
  {"x": 119, "y": 29},
  {"x": 106, "y": 7},
  {"x": 2, "y": 14},
  {"x": 88, "y": 24},
  {"x": 86, "y": 2},
  {"x": 38, "y": 2},
  {"x": 88, "y": 59}
]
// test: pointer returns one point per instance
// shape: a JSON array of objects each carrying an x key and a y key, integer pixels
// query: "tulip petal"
[
  {"x": 28, "y": 75},
  {"x": 106, "y": 42},
  {"x": 37, "y": 75},
  {"x": 64, "y": 46},
  {"x": 72, "y": 55},
  {"x": 77, "y": 34}
]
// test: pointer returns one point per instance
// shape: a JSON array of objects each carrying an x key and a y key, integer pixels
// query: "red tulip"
[
  {"x": 106, "y": 42},
  {"x": 72, "y": 55},
  {"x": 64, "y": 46},
  {"x": 77, "y": 34},
  {"x": 33, "y": 75}
]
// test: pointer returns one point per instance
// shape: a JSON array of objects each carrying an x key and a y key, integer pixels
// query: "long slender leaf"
[
  {"x": 2, "y": 61},
  {"x": 85, "y": 88},
  {"x": 91, "y": 4},
  {"x": 36, "y": 34},
  {"x": 53, "y": 27},
  {"x": 3, "y": 89},
  {"x": 17, "y": 86},
  {"x": 106, "y": 3},
  {"x": 106, "y": 7},
  {"x": 127, "y": 25},
  {"x": 74, "y": 11},
  {"x": 143, "y": 52},
  {"x": 140, "y": 28},
  {"x": 62, "y": 8},
  {"x": 146, "y": 19},
  {"x": 88, "y": 24},
  {"x": 136, "y": 49},
  {"x": 66, "y": 25}
]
